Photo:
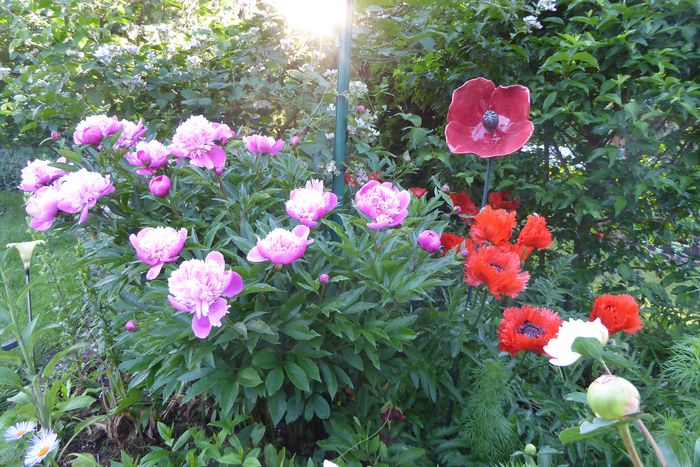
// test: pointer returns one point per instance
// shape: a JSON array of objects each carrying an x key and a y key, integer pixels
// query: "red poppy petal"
[
  {"x": 470, "y": 101},
  {"x": 512, "y": 102},
  {"x": 459, "y": 139}
]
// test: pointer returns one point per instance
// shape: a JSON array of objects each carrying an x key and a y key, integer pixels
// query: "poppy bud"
[
  {"x": 160, "y": 186},
  {"x": 323, "y": 278},
  {"x": 612, "y": 397},
  {"x": 530, "y": 450},
  {"x": 131, "y": 325}
]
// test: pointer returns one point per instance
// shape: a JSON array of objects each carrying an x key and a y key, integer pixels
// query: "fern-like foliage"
[{"x": 683, "y": 367}]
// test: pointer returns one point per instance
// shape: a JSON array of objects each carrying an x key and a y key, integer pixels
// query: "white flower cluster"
[
  {"x": 4, "y": 72},
  {"x": 357, "y": 89},
  {"x": 547, "y": 5},
  {"x": 108, "y": 52},
  {"x": 532, "y": 21}
]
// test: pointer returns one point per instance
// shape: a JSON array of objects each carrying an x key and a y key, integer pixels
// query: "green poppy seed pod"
[
  {"x": 612, "y": 397},
  {"x": 530, "y": 450}
]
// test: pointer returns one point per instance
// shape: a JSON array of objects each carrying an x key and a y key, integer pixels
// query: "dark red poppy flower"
[
  {"x": 418, "y": 192},
  {"x": 617, "y": 313},
  {"x": 375, "y": 175},
  {"x": 392, "y": 415},
  {"x": 503, "y": 200},
  {"x": 527, "y": 328},
  {"x": 464, "y": 203},
  {"x": 451, "y": 241},
  {"x": 498, "y": 269},
  {"x": 535, "y": 233},
  {"x": 492, "y": 225},
  {"x": 488, "y": 121},
  {"x": 349, "y": 180}
]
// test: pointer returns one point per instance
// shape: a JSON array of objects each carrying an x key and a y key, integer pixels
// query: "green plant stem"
[
  {"x": 487, "y": 182},
  {"x": 15, "y": 323},
  {"x": 642, "y": 427},
  {"x": 478, "y": 315},
  {"x": 624, "y": 431}
]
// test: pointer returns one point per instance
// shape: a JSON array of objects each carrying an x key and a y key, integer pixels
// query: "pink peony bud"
[
  {"x": 429, "y": 240},
  {"x": 55, "y": 135},
  {"x": 295, "y": 140},
  {"x": 160, "y": 186},
  {"x": 218, "y": 170},
  {"x": 324, "y": 278},
  {"x": 446, "y": 188},
  {"x": 360, "y": 108},
  {"x": 612, "y": 397},
  {"x": 131, "y": 325},
  {"x": 457, "y": 210}
]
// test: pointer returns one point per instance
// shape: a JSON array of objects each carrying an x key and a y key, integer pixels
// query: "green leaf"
[
  {"x": 589, "y": 347},
  {"x": 9, "y": 378},
  {"x": 277, "y": 406},
  {"x": 620, "y": 204},
  {"x": 579, "y": 397},
  {"x": 77, "y": 402},
  {"x": 408, "y": 456},
  {"x": 232, "y": 458},
  {"x": 297, "y": 375},
  {"x": 310, "y": 368},
  {"x": 274, "y": 380},
  {"x": 586, "y": 58},
  {"x": 299, "y": 330},
  {"x": 249, "y": 378}
]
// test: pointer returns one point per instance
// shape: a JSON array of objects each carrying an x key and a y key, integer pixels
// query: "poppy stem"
[{"x": 485, "y": 195}]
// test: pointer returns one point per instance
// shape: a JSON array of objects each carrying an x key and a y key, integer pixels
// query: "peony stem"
[
  {"x": 642, "y": 427},
  {"x": 624, "y": 431}
]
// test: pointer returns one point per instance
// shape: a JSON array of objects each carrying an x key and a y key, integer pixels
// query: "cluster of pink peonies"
[
  {"x": 94, "y": 129},
  {"x": 258, "y": 144}
]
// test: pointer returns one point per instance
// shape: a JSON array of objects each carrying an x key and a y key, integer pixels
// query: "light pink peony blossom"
[
  {"x": 309, "y": 204},
  {"x": 130, "y": 135},
  {"x": 429, "y": 241},
  {"x": 157, "y": 246},
  {"x": 42, "y": 207},
  {"x": 258, "y": 144},
  {"x": 93, "y": 129},
  {"x": 79, "y": 191},
  {"x": 383, "y": 203},
  {"x": 196, "y": 138},
  {"x": 149, "y": 155},
  {"x": 281, "y": 246},
  {"x": 197, "y": 287},
  {"x": 39, "y": 173}
]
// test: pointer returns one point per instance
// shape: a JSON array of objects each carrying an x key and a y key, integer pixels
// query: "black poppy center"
[
  {"x": 530, "y": 330},
  {"x": 490, "y": 121},
  {"x": 498, "y": 267}
]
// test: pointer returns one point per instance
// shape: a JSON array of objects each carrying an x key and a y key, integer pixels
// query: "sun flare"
[{"x": 321, "y": 17}]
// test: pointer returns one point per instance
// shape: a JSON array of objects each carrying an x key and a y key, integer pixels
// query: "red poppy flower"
[
  {"x": 375, "y": 175},
  {"x": 498, "y": 269},
  {"x": 418, "y": 192},
  {"x": 349, "y": 180},
  {"x": 535, "y": 233},
  {"x": 502, "y": 200},
  {"x": 464, "y": 203},
  {"x": 527, "y": 328},
  {"x": 617, "y": 313},
  {"x": 451, "y": 241},
  {"x": 488, "y": 121},
  {"x": 492, "y": 225}
]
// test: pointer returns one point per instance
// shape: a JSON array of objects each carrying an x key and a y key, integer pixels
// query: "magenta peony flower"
[
  {"x": 281, "y": 246},
  {"x": 39, "y": 173},
  {"x": 197, "y": 287},
  {"x": 42, "y": 207},
  {"x": 258, "y": 144},
  {"x": 160, "y": 186},
  {"x": 157, "y": 246},
  {"x": 429, "y": 240},
  {"x": 131, "y": 325},
  {"x": 309, "y": 204},
  {"x": 383, "y": 203},
  {"x": 55, "y": 135},
  {"x": 79, "y": 191},
  {"x": 196, "y": 139},
  {"x": 149, "y": 155},
  {"x": 93, "y": 129},
  {"x": 360, "y": 108},
  {"x": 295, "y": 140},
  {"x": 130, "y": 135},
  {"x": 324, "y": 278}
]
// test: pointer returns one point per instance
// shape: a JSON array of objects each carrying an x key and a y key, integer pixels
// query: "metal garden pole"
[{"x": 341, "y": 105}]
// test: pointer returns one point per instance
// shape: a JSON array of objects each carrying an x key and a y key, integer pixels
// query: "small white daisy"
[
  {"x": 40, "y": 446},
  {"x": 18, "y": 430}
]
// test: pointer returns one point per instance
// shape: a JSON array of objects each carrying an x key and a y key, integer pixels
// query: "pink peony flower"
[
  {"x": 310, "y": 204},
  {"x": 383, "y": 203},
  {"x": 79, "y": 191},
  {"x": 197, "y": 287},
  {"x": 157, "y": 246},
  {"x": 160, "y": 186},
  {"x": 295, "y": 140},
  {"x": 149, "y": 155},
  {"x": 39, "y": 173},
  {"x": 93, "y": 129},
  {"x": 130, "y": 135},
  {"x": 42, "y": 207},
  {"x": 281, "y": 246},
  {"x": 258, "y": 144},
  {"x": 131, "y": 326},
  {"x": 196, "y": 140},
  {"x": 429, "y": 240}
]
